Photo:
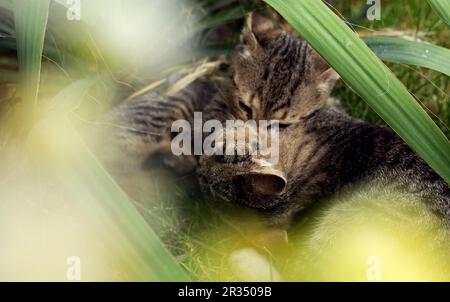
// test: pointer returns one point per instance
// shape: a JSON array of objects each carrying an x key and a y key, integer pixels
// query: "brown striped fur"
[
  {"x": 140, "y": 129},
  {"x": 275, "y": 75},
  {"x": 322, "y": 149}
]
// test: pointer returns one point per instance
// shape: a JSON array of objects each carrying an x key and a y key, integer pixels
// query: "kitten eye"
[{"x": 246, "y": 108}]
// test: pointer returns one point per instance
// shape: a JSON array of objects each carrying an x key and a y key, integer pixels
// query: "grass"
[
  {"x": 430, "y": 88},
  {"x": 442, "y": 8},
  {"x": 200, "y": 235},
  {"x": 30, "y": 22},
  {"x": 55, "y": 146}
]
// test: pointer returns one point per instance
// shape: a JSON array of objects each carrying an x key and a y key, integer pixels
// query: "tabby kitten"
[
  {"x": 322, "y": 149},
  {"x": 275, "y": 75}
]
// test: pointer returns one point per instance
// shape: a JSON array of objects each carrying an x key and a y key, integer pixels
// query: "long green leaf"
[
  {"x": 30, "y": 17},
  {"x": 410, "y": 52},
  {"x": 70, "y": 97},
  {"x": 362, "y": 70},
  {"x": 442, "y": 8},
  {"x": 55, "y": 146}
]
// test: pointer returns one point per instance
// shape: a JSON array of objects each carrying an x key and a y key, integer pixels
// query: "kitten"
[
  {"x": 322, "y": 149},
  {"x": 275, "y": 75}
]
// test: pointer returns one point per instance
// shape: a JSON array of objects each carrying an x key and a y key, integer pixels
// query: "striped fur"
[
  {"x": 140, "y": 129},
  {"x": 278, "y": 76},
  {"x": 323, "y": 150}
]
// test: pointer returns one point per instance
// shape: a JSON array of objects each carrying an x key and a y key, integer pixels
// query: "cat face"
[{"x": 277, "y": 75}]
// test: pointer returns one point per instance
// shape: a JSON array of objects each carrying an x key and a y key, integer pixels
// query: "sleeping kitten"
[
  {"x": 322, "y": 149},
  {"x": 277, "y": 76}
]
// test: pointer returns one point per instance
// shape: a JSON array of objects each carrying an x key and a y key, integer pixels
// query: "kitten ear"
[
  {"x": 258, "y": 23},
  {"x": 326, "y": 81},
  {"x": 325, "y": 75},
  {"x": 256, "y": 27}
]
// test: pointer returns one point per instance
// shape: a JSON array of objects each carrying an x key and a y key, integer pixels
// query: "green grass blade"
[
  {"x": 442, "y": 8},
  {"x": 56, "y": 146},
  {"x": 410, "y": 52},
  {"x": 70, "y": 97},
  {"x": 363, "y": 71},
  {"x": 30, "y": 19},
  {"x": 223, "y": 17}
]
